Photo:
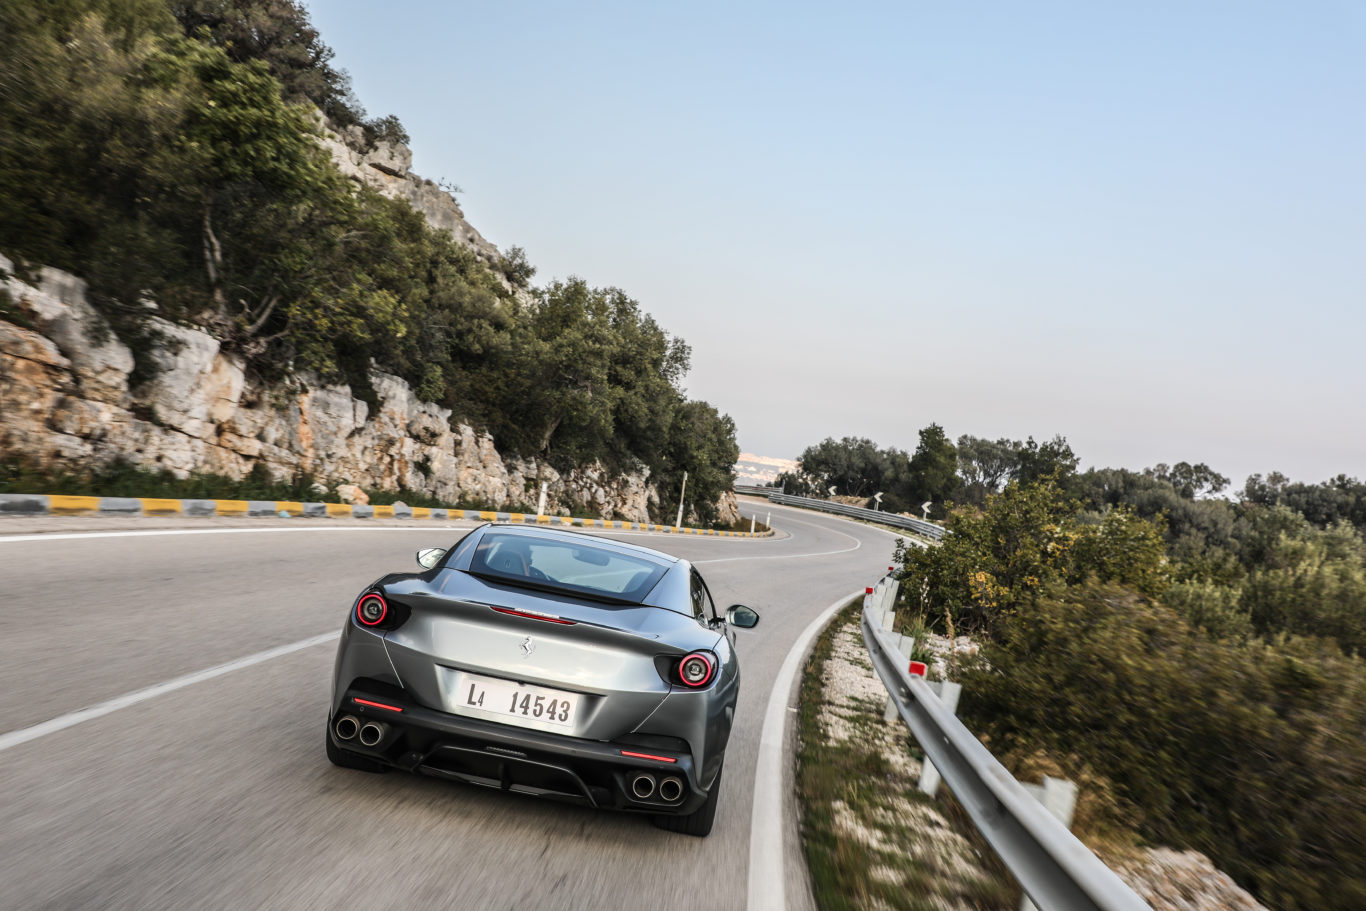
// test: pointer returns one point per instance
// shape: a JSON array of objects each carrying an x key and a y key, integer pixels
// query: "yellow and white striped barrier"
[{"x": 64, "y": 505}]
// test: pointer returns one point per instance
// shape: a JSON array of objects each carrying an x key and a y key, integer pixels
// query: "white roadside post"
[
  {"x": 540, "y": 505},
  {"x": 678, "y": 523},
  {"x": 947, "y": 691},
  {"x": 1059, "y": 797},
  {"x": 752, "y": 519}
]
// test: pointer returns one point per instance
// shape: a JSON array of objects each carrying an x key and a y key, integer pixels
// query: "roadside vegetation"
[
  {"x": 167, "y": 152},
  {"x": 1195, "y": 662}
]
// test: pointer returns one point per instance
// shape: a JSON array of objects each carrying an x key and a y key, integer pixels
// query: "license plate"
[{"x": 517, "y": 700}]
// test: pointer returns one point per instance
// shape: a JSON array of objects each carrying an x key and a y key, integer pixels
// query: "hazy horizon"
[{"x": 1140, "y": 228}]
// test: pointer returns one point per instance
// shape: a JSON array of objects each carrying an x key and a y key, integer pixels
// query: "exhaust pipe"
[
  {"x": 346, "y": 727},
  {"x": 642, "y": 785},
  {"x": 670, "y": 789},
  {"x": 371, "y": 734}
]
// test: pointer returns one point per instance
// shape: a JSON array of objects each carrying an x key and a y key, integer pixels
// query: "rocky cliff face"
[
  {"x": 387, "y": 168},
  {"x": 66, "y": 394}
]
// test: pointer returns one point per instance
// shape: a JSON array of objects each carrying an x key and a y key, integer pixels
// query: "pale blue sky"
[{"x": 1143, "y": 228}]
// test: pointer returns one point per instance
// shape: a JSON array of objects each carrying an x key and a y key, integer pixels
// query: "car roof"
[{"x": 578, "y": 537}]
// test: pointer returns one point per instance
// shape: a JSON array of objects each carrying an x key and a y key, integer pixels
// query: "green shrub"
[
  {"x": 1312, "y": 582},
  {"x": 1021, "y": 542},
  {"x": 1252, "y": 754},
  {"x": 1211, "y": 607}
]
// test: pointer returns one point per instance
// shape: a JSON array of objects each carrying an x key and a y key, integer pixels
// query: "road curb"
[{"x": 64, "y": 505}]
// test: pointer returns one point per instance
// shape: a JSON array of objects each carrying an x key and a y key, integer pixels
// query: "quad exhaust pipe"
[
  {"x": 371, "y": 734},
  {"x": 642, "y": 785},
  {"x": 670, "y": 789},
  {"x": 346, "y": 727}
]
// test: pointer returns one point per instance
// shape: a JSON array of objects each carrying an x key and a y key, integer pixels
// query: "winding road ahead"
[{"x": 163, "y": 692}]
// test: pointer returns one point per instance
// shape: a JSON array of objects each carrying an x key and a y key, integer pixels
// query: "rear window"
[{"x": 571, "y": 566}]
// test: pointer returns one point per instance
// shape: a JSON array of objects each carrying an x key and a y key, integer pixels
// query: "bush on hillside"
[{"x": 1252, "y": 754}]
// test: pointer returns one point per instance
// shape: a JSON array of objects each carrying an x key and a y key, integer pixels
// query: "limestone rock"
[
  {"x": 386, "y": 169},
  {"x": 350, "y": 493},
  {"x": 64, "y": 395},
  {"x": 727, "y": 509},
  {"x": 1183, "y": 881},
  {"x": 100, "y": 364},
  {"x": 195, "y": 386}
]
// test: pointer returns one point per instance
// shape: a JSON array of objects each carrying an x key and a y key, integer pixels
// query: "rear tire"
[
  {"x": 348, "y": 760},
  {"x": 699, "y": 822}
]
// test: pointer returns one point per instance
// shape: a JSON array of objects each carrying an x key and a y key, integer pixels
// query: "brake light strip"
[
  {"x": 531, "y": 615},
  {"x": 648, "y": 756}
]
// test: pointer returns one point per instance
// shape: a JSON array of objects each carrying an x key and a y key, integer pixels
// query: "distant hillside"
[{"x": 756, "y": 469}]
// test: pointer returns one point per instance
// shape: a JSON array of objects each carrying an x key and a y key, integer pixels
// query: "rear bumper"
[{"x": 399, "y": 733}]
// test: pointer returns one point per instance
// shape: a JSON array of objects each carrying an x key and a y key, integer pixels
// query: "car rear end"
[{"x": 532, "y": 685}]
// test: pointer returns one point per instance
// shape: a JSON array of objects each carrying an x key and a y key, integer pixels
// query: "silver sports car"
[{"x": 544, "y": 662}]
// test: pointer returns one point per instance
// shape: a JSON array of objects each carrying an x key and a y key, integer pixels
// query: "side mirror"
[
  {"x": 738, "y": 615},
  {"x": 428, "y": 557}
]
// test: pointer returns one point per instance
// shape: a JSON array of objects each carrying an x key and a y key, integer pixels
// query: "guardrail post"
[
  {"x": 1059, "y": 797},
  {"x": 948, "y": 693},
  {"x": 905, "y": 645}
]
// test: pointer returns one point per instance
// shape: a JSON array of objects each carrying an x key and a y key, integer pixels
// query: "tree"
[
  {"x": 279, "y": 34},
  {"x": 702, "y": 443},
  {"x": 1336, "y": 500},
  {"x": 1124, "y": 548},
  {"x": 1190, "y": 481},
  {"x": 1266, "y": 492},
  {"x": 1053, "y": 459},
  {"x": 1200, "y": 534},
  {"x": 854, "y": 466},
  {"x": 1310, "y": 582},
  {"x": 92, "y": 98},
  {"x": 933, "y": 471},
  {"x": 984, "y": 466},
  {"x": 796, "y": 483},
  {"x": 516, "y": 268},
  {"x": 994, "y": 559}
]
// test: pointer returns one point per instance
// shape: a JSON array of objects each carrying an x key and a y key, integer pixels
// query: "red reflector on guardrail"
[
  {"x": 917, "y": 669},
  {"x": 868, "y": 591}
]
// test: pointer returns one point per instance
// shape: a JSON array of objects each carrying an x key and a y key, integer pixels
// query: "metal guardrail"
[
  {"x": 919, "y": 526},
  {"x": 755, "y": 490},
  {"x": 1053, "y": 867}
]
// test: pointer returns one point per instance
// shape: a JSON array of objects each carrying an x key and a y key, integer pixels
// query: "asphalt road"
[{"x": 214, "y": 792}]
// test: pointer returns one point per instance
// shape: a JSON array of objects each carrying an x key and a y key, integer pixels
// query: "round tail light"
[
  {"x": 372, "y": 610},
  {"x": 696, "y": 670}
]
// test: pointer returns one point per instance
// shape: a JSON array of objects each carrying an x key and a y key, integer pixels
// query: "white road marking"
[
  {"x": 823, "y": 553},
  {"x": 767, "y": 881},
  {"x": 71, "y": 719},
  {"x": 70, "y": 536}
]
